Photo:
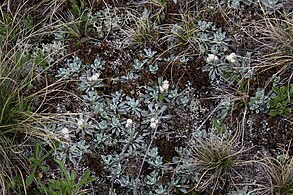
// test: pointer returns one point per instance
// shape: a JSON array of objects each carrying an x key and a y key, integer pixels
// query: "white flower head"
[
  {"x": 212, "y": 58},
  {"x": 128, "y": 123},
  {"x": 80, "y": 123},
  {"x": 165, "y": 86},
  {"x": 232, "y": 58},
  {"x": 95, "y": 77},
  {"x": 65, "y": 132},
  {"x": 153, "y": 120},
  {"x": 89, "y": 79},
  {"x": 154, "y": 123}
]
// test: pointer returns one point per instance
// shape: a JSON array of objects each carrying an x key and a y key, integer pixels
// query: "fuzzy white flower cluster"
[
  {"x": 65, "y": 133},
  {"x": 94, "y": 78},
  {"x": 154, "y": 123},
  {"x": 212, "y": 58},
  {"x": 165, "y": 86},
  {"x": 232, "y": 58},
  {"x": 128, "y": 124},
  {"x": 80, "y": 123}
]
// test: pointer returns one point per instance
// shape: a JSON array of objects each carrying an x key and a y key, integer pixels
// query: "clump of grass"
[
  {"x": 187, "y": 31},
  {"x": 214, "y": 158},
  {"x": 145, "y": 31},
  {"x": 182, "y": 35},
  {"x": 279, "y": 174},
  {"x": 275, "y": 42},
  {"x": 19, "y": 119}
]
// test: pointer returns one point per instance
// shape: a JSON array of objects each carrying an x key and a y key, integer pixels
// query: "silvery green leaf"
[
  {"x": 86, "y": 85},
  {"x": 115, "y": 122},
  {"x": 91, "y": 97},
  {"x": 153, "y": 68},
  {"x": 99, "y": 108},
  {"x": 117, "y": 170},
  {"x": 100, "y": 138},
  {"x": 112, "y": 191},
  {"x": 183, "y": 59},
  {"x": 124, "y": 181},
  {"x": 182, "y": 151},
  {"x": 64, "y": 72},
  {"x": 176, "y": 29},
  {"x": 153, "y": 152},
  {"x": 184, "y": 100},
  {"x": 173, "y": 94},
  {"x": 102, "y": 125},
  {"x": 219, "y": 36},
  {"x": 152, "y": 178},
  {"x": 108, "y": 160},
  {"x": 204, "y": 37},
  {"x": 202, "y": 48},
  {"x": 215, "y": 49},
  {"x": 161, "y": 190},
  {"x": 162, "y": 109},
  {"x": 150, "y": 106},
  {"x": 123, "y": 107},
  {"x": 234, "y": 4},
  {"x": 138, "y": 65},
  {"x": 83, "y": 146},
  {"x": 259, "y": 103},
  {"x": 165, "y": 117},
  {"x": 98, "y": 64},
  {"x": 129, "y": 76},
  {"x": 149, "y": 53},
  {"x": 133, "y": 103},
  {"x": 74, "y": 67}
]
